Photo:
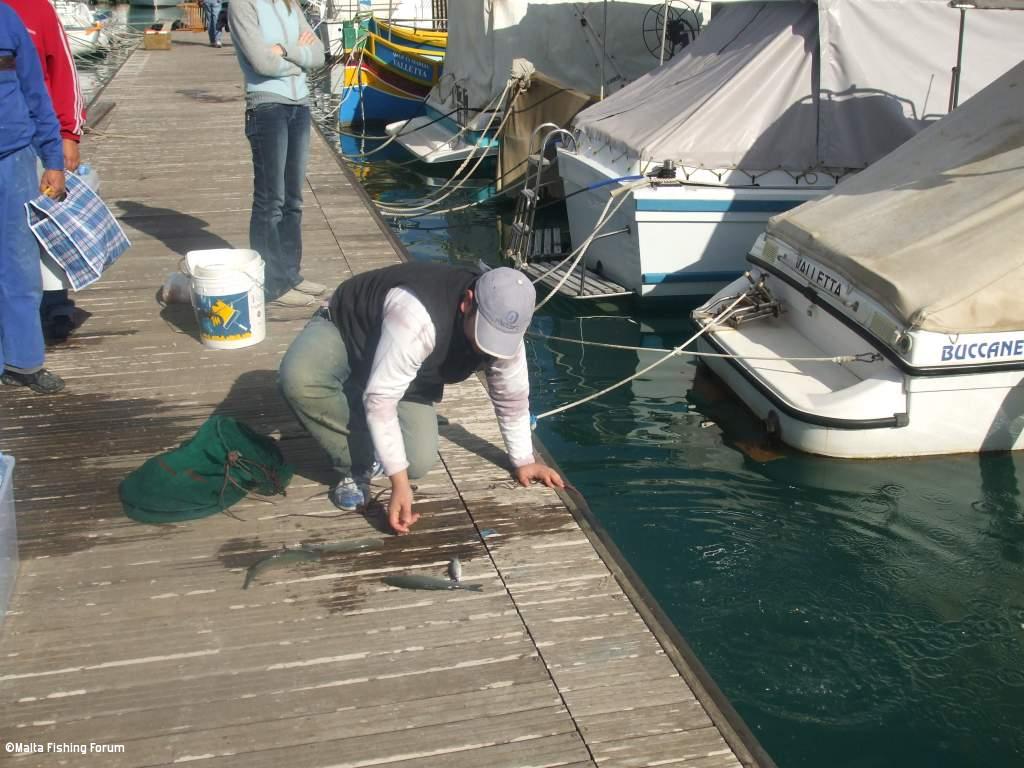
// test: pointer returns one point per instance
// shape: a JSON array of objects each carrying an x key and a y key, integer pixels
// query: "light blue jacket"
[{"x": 256, "y": 26}]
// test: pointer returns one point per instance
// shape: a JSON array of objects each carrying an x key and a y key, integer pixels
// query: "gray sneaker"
[
  {"x": 293, "y": 299},
  {"x": 308, "y": 286}
]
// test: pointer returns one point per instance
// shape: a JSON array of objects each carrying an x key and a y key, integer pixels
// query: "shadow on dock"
[{"x": 178, "y": 231}]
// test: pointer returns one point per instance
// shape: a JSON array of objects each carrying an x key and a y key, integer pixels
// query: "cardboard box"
[{"x": 156, "y": 41}]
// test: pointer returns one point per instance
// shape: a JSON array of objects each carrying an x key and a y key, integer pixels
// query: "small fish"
[
  {"x": 418, "y": 581},
  {"x": 356, "y": 545},
  {"x": 488, "y": 532},
  {"x": 455, "y": 569},
  {"x": 284, "y": 557}
]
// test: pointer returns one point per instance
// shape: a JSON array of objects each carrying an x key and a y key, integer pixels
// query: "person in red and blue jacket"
[
  {"x": 59, "y": 73},
  {"x": 61, "y": 76},
  {"x": 28, "y": 129}
]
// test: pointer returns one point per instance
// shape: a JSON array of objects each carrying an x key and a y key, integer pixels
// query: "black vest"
[{"x": 357, "y": 308}]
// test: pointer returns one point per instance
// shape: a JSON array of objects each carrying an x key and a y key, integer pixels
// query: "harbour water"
[{"x": 855, "y": 613}]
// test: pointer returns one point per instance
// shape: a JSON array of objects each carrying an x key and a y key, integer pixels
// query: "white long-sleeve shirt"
[{"x": 407, "y": 338}]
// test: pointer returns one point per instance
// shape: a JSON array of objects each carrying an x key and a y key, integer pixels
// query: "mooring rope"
[
  {"x": 403, "y": 212},
  {"x": 671, "y": 353},
  {"x": 861, "y": 357},
  {"x": 581, "y": 251}
]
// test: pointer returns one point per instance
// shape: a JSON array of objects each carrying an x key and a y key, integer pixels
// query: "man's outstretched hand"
[
  {"x": 540, "y": 473},
  {"x": 400, "y": 514}
]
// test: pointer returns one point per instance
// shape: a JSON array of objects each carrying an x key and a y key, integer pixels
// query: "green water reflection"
[{"x": 856, "y": 613}]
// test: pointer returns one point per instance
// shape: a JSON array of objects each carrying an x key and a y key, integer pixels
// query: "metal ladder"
[{"x": 521, "y": 241}]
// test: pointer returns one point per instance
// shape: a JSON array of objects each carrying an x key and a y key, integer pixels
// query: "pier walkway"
[{"x": 140, "y": 637}]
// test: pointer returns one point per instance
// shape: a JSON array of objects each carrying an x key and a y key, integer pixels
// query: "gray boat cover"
[
  {"x": 565, "y": 40},
  {"x": 801, "y": 86},
  {"x": 934, "y": 231}
]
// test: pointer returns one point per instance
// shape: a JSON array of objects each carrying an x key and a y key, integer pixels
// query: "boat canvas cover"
[
  {"x": 934, "y": 232},
  {"x": 561, "y": 39},
  {"x": 800, "y": 86}
]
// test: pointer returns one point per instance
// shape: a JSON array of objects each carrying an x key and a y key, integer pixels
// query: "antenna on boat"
[{"x": 972, "y": 5}]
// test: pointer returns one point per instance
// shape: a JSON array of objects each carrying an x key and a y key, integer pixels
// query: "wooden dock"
[{"x": 140, "y": 638}]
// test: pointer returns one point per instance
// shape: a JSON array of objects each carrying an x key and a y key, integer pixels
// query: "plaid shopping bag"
[{"x": 79, "y": 232}]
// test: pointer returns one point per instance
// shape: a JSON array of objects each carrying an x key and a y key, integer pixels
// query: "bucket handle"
[{"x": 183, "y": 268}]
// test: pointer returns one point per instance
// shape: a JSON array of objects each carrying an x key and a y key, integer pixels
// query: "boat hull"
[
  {"x": 374, "y": 90},
  {"x": 686, "y": 240},
  {"x": 366, "y": 99},
  {"x": 427, "y": 40},
  {"x": 858, "y": 409}
]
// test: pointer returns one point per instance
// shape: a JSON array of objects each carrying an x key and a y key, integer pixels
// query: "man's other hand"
[
  {"x": 540, "y": 473},
  {"x": 400, "y": 514},
  {"x": 307, "y": 38},
  {"x": 71, "y": 157}
]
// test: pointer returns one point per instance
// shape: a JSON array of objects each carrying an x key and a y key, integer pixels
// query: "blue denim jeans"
[
  {"x": 21, "y": 281},
  {"x": 279, "y": 137},
  {"x": 212, "y": 10},
  {"x": 314, "y": 379}
]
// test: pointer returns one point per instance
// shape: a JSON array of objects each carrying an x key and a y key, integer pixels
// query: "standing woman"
[{"x": 274, "y": 45}]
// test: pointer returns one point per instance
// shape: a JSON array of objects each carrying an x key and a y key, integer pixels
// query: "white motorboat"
[
  {"x": 85, "y": 33},
  {"x": 595, "y": 48},
  {"x": 886, "y": 318},
  {"x": 770, "y": 107}
]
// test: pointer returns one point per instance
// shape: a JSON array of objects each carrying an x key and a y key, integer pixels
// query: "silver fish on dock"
[
  {"x": 284, "y": 557},
  {"x": 419, "y": 581},
  {"x": 455, "y": 569},
  {"x": 334, "y": 547}
]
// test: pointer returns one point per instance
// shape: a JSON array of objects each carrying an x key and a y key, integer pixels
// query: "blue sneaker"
[
  {"x": 365, "y": 479},
  {"x": 347, "y": 495}
]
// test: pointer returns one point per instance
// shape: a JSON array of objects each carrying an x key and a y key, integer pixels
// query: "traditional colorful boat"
[
  {"x": 430, "y": 41},
  {"x": 384, "y": 81}
]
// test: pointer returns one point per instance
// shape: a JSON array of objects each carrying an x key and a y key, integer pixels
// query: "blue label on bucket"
[{"x": 224, "y": 318}]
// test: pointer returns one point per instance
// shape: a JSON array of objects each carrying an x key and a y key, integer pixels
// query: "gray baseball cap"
[{"x": 504, "y": 307}]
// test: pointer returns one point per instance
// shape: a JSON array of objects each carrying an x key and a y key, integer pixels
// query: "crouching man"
[{"x": 364, "y": 375}]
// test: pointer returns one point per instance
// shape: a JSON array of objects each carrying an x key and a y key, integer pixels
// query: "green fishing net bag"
[{"x": 216, "y": 468}]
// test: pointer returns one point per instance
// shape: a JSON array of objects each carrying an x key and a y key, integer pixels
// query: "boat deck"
[{"x": 140, "y": 638}]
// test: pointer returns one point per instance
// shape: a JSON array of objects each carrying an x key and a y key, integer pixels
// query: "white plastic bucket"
[{"x": 226, "y": 285}]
